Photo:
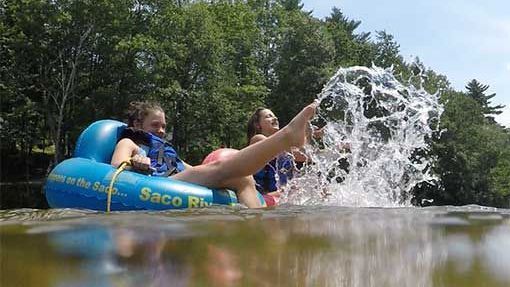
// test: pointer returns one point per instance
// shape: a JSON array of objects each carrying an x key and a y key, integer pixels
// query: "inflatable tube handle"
[{"x": 97, "y": 142}]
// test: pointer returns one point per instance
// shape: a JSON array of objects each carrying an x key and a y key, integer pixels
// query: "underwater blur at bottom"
[{"x": 284, "y": 246}]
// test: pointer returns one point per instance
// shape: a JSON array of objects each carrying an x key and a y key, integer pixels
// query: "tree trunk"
[{"x": 67, "y": 89}]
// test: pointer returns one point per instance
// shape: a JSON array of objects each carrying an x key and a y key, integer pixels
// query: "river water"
[
  {"x": 346, "y": 221},
  {"x": 284, "y": 246}
]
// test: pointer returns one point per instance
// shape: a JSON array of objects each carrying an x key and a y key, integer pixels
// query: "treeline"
[{"x": 66, "y": 63}]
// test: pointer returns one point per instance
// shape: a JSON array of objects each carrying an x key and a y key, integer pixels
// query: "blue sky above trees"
[{"x": 461, "y": 39}]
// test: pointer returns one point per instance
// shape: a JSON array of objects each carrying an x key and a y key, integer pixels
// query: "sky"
[{"x": 461, "y": 39}]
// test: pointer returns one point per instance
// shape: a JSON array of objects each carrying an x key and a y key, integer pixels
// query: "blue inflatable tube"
[{"x": 83, "y": 181}]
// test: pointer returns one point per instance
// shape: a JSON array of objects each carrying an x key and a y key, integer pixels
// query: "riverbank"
[
  {"x": 26, "y": 194},
  {"x": 22, "y": 179}
]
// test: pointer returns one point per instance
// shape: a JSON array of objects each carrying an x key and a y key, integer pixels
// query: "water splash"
[{"x": 375, "y": 137}]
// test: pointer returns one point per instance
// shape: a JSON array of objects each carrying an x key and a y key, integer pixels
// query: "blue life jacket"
[
  {"x": 164, "y": 158},
  {"x": 286, "y": 166},
  {"x": 275, "y": 174}
]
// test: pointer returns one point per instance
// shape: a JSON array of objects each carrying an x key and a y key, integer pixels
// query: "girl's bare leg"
[
  {"x": 252, "y": 158},
  {"x": 233, "y": 171},
  {"x": 245, "y": 191},
  {"x": 212, "y": 175}
]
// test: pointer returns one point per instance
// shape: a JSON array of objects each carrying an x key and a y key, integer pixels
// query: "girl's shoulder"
[
  {"x": 257, "y": 138},
  {"x": 127, "y": 143},
  {"x": 129, "y": 146}
]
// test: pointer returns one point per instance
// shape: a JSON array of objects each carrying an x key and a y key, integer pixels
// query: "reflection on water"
[{"x": 286, "y": 246}]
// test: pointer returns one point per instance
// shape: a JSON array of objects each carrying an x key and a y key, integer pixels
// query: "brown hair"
[
  {"x": 252, "y": 124},
  {"x": 137, "y": 111}
]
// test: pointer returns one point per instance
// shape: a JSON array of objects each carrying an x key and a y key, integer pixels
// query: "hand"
[
  {"x": 141, "y": 163},
  {"x": 298, "y": 155}
]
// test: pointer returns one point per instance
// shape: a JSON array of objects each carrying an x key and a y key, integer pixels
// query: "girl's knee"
[
  {"x": 222, "y": 172},
  {"x": 247, "y": 193},
  {"x": 213, "y": 171}
]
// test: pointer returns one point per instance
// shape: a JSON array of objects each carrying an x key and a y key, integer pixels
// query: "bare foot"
[{"x": 296, "y": 129}]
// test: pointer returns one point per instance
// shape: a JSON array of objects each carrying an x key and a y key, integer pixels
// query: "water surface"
[{"x": 285, "y": 246}]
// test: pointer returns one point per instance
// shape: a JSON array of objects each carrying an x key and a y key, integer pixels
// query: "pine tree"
[{"x": 476, "y": 91}]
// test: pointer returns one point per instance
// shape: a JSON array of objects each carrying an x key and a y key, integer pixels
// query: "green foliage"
[
  {"x": 350, "y": 49},
  {"x": 64, "y": 59},
  {"x": 499, "y": 177},
  {"x": 303, "y": 65},
  {"x": 202, "y": 63},
  {"x": 470, "y": 170},
  {"x": 476, "y": 91},
  {"x": 387, "y": 51}
]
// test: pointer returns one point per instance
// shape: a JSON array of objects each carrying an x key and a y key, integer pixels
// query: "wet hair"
[
  {"x": 253, "y": 122},
  {"x": 137, "y": 111}
]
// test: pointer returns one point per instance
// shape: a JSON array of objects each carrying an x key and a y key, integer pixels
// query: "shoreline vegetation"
[{"x": 64, "y": 64}]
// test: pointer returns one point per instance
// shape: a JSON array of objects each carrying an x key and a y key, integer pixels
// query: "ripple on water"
[{"x": 331, "y": 246}]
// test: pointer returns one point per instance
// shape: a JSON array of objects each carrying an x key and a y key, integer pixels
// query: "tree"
[
  {"x": 500, "y": 179},
  {"x": 476, "y": 91},
  {"x": 61, "y": 55},
  {"x": 350, "y": 48},
  {"x": 291, "y": 5},
  {"x": 205, "y": 67},
  {"x": 303, "y": 65},
  {"x": 469, "y": 170},
  {"x": 387, "y": 51}
]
